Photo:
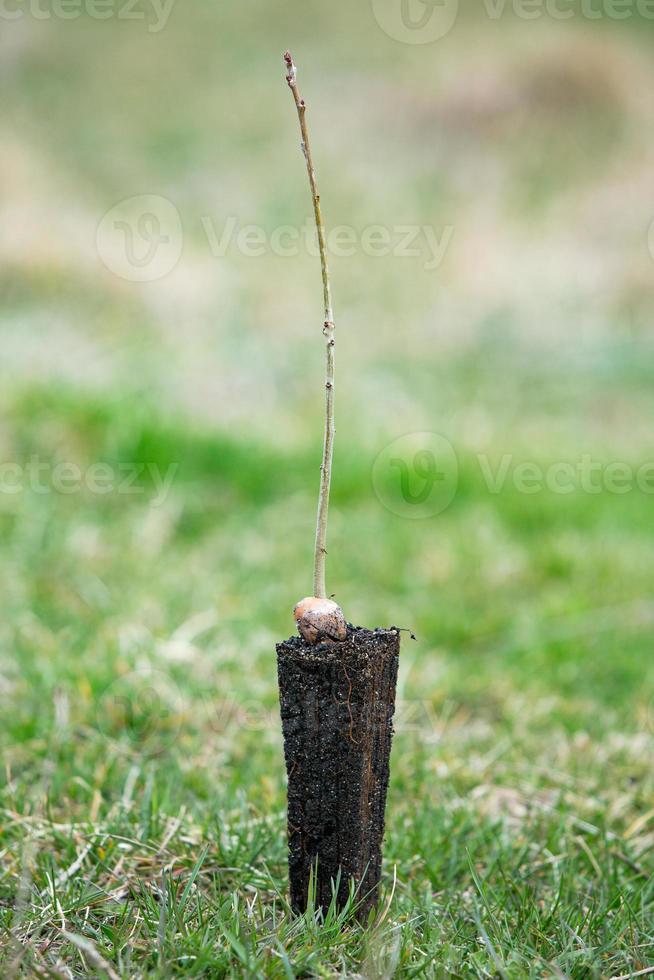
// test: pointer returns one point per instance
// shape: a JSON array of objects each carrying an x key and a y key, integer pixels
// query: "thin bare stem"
[{"x": 320, "y": 554}]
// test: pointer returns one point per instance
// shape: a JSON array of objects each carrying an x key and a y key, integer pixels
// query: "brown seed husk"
[{"x": 320, "y": 619}]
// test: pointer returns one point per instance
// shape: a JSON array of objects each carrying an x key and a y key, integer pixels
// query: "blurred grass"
[
  {"x": 530, "y": 682},
  {"x": 142, "y": 801}
]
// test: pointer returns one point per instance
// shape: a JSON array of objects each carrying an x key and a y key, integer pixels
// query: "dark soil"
[{"x": 337, "y": 702}]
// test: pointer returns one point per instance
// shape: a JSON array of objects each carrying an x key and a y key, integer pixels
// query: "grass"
[
  {"x": 142, "y": 825},
  {"x": 143, "y": 804}
]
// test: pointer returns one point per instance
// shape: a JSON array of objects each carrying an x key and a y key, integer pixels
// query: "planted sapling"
[{"x": 337, "y": 693}]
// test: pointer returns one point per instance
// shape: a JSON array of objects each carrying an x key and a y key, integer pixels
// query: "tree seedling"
[
  {"x": 337, "y": 695},
  {"x": 317, "y": 616}
]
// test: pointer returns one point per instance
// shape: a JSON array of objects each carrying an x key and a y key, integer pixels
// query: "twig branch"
[{"x": 320, "y": 555}]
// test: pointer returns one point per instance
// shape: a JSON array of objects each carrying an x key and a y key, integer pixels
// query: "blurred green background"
[{"x": 137, "y": 668}]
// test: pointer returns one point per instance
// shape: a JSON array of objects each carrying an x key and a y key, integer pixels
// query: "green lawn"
[
  {"x": 159, "y": 455},
  {"x": 143, "y": 803}
]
